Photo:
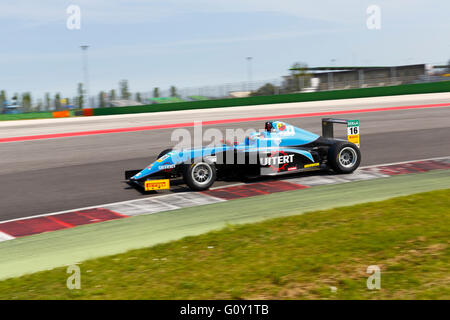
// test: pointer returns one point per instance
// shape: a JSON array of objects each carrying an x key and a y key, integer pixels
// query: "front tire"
[
  {"x": 199, "y": 176},
  {"x": 344, "y": 157}
]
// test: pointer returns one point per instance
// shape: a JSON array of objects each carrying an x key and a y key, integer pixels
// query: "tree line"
[{"x": 57, "y": 102}]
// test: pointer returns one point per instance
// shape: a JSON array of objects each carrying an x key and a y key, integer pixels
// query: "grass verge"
[
  {"x": 26, "y": 116},
  {"x": 297, "y": 257}
]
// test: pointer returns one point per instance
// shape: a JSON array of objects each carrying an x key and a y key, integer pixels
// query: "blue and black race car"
[{"x": 277, "y": 150}]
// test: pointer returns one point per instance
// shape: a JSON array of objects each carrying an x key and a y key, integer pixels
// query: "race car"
[{"x": 277, "y": 150}]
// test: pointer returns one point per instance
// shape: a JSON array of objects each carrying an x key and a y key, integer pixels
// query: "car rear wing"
[{"x": 352, "y": 129}]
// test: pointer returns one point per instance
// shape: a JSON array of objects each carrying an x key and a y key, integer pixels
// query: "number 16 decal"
[{"x": 353, "y": 131}]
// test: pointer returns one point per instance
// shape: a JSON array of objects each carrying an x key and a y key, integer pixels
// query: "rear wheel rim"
[
  {"x": 202, "y": 173},
  {"x": 347, "y": 157}
]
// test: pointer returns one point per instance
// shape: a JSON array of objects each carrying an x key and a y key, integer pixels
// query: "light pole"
[
  {"x": 249, "y": 66},
  {"x": 330, "y": 75},
  {"x": 85, "y": 73}
]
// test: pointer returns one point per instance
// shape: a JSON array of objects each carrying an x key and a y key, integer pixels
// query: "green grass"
[
  {"x": 296, "y": 257},
  {"x": 26, "y": 116},
  {"x": 199, "y": 98},
  {"x": 166, "y": 100}
]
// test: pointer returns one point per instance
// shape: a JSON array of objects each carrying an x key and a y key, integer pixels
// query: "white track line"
[
  {"x": 157, "y": 198},
  {"x": 402, "y": 162},
  {"x": 4, "y": 237}
]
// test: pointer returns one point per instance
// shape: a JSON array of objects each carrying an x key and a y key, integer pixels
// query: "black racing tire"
[
  {"x": 344, "y": 157},
  {"x": 164, "y": 152},
  {"x": 193, "y": 173}
]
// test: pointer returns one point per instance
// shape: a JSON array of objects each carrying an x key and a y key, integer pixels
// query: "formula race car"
[{"x": 277, "y": 150}]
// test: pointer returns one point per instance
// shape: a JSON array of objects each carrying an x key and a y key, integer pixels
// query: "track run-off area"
[{"x": 79, "y": 162}]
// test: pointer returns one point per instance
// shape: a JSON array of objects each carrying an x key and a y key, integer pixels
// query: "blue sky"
[{"x": 203, "y": 42}]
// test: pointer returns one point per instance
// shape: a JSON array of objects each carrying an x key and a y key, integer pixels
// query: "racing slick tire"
[
  {"x": 200, "y": 175},
  {"x": 344, "y": 157}
]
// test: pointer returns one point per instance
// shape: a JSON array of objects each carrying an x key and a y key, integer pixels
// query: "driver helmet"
[{"x": 268, "y": 126}]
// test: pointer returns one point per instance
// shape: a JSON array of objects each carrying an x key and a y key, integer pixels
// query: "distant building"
[
  {"x": 329, "y": 78},
  {"x": 240, "y": 94},
  {"x": 124, "y": 103}
]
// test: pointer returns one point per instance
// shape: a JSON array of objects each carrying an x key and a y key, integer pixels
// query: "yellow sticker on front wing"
[{"x": 157, "y": 184}]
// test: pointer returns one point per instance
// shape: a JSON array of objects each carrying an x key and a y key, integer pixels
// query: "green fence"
[{"x": 284, "y": 98}]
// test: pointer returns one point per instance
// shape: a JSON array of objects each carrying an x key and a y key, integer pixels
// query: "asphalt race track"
[{"x": 50, "y": 175}]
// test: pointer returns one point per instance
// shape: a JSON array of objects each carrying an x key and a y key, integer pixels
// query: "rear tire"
[
  {"x": 200, "y": 175},
  {"x": 344, "y": 157}
]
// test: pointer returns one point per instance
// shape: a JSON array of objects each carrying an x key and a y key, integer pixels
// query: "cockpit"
[
  {"x": 270, "y": 127},
  {"x": 276, "y": 133}
]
